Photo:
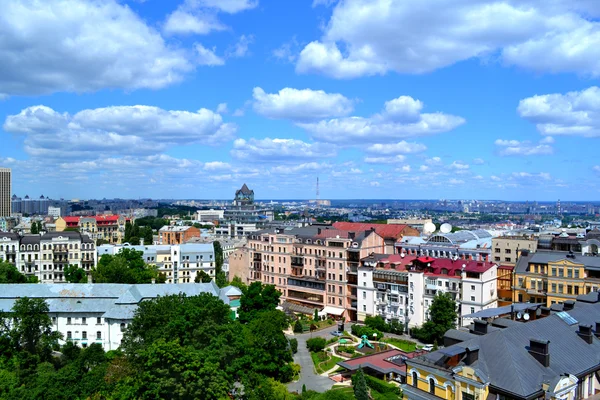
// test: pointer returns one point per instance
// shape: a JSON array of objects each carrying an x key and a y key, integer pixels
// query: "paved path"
[{"x": 308, "y": 376}]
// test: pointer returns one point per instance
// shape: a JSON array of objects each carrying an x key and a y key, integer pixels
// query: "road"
[{"x": 308, "y": 376}]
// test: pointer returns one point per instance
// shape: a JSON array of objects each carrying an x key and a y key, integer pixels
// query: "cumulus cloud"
[
  {"x": 596, "y": 168},
  {"x": 399, "y": 119},
  {"x": 524, "y": 148},
  {"x": 459, "y": 165},
  {"x": 279, "y": 150},
  {"x": 300, "y": 104},
  {"x": 401, "y": 147},
  {"x": 222, "y": 108},
  {"x": 83, "y": 46},
  {"x": 573, "y": 113},
  {"x": 208, "y": 57},
  {"x": 114, "y": 130},
  {"x": 227, "y": 6},
  {"x": 371, "y": 37},
  {"x": 240, "y": 49},
  {"x": 478, "y": 161},
  {"x": 385, "y": 160}
]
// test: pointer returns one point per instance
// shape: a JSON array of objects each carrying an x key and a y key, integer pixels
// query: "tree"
[
  {"x": 148, "y": 235},
  {"x": 238, "y": 283},
  {"x": 126, "y": 267},
  {"x": 74, "y": 274},
  {"x": 202, "y": 277},
  {"x": 220, "y": 277},
  {"x": 128, "y": 232},
  {"x": 442, "y": 317},
  {"x": 316, "y": 344},
  {"x": 10, "y": 274},
  {"x": 34, "y": 228},
  {"x": 359, "y": 383},
  {"x": 134, "y": 240},
  {"x": 257, "y": 298},
  {"x": 376, "y": 322}
]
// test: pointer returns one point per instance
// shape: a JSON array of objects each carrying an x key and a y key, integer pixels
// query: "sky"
[{"x": 379, "y": 99}]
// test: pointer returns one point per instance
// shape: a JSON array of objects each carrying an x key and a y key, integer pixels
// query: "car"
[
  {"x": 427, "y": 347},
  {"x": 336, "y": 333}
]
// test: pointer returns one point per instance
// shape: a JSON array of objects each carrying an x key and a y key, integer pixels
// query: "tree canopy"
[
  {"x": 442, "y": 317},
  {"x": 74, "y": 274},
  {"x": 202, "y": 277},
  {"x": 127, "y": 266},
  {"x": 10, "y": 274},
  {"x": 257, "y": 298}
]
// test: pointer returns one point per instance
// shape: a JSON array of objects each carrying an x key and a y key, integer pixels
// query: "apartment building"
[
  {"x": 101, "y": 312},
  {"x": 5, "y": 192},
  {"x": 400, "y": 287},
  {"x": 466, "y": 245},
  {"x": 45, "y": 256},
  {"x": 391, "y": 233},
  {"x": 315, "y": 267},
  {"x": 506, "y": 249},
  {"x": 109, "y": 228},
  {"x": 553, "y": 358},
  {"x": 179, "y": 262},
  {"x": 177, "y": 234}
]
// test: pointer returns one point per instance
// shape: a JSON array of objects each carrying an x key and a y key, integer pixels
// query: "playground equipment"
[{"x": 365, "y": 342}]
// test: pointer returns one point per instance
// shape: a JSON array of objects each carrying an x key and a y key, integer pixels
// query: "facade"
[
  {"x": 179, "y": 263},
  {"x": 5, "y": 192},
  {"x": 391, "y": 233},
  {"x": 402, "y": 288},
  {"x": 29, "y": 205},
  {"x": 54, "y": 211},
  {"x": 177, "y": 234},
  {"x": 466, "y": 245},
  {"x": 313, "y": 267},
  {"x": 238, "y": 264},
  {"x": 551, "y": 277},
  {"x": 506, "y": 249},
  {"x": 109, "y": 228},
  {"x": 100, "y": 313},
  {"x": 553, "y": 358},
  {"x": 243, "y": 196},
  {"x": 235, "y": 230},
  {"x": 209, "y": 215},
  {"x": 46, "y": 256}
]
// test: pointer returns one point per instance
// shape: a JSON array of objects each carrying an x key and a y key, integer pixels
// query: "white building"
[
  {"x": 209, "y": 215},
  {"x": 403, "y": 287},
  {"x": 100, "y": 313},
  {"x": 235, "y": 229},
  {"x": 180, "y": 263},
  {"x": 54, "y": 211}
]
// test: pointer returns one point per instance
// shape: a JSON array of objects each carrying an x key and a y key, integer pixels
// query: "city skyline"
[{"x": 191, "y": 99}]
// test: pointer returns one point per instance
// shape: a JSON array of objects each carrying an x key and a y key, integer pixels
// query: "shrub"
[
  {"x": 346, "y": 349},
  {"x": 316, "y": 344},
  {"x": 381, "y": 386},
  {"x": 294, "y": 345},
  {"x": 298, "y": 327},
  {"x": 376, "y": 322},
  {"x": 332, "y": 340},
  {"x": 359, "y": 330},
  {"x": 330, "y": 321}
]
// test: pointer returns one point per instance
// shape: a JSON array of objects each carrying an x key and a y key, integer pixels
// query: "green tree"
[
  {"x": 202, "y": 277},
  {"x": 74, "y": 274},
  {"x": 359, "y": 384},
  {"x": 238, "y": 283},
  {"x": 256, "y": 299},
  {"x": 316, "y": 344},
  {"x": 220, "y": 277},
  {"x": 134, "y": 240},
  {"x": 442, "y": 317},
  {"x": 10, "y": 274},
  {"x": 148, "y": 235},
  {"x": 128, "y": 232},
  {"x": 34, "y": 228},
  {"x": 126, "y": 267},
  {"x": 376, "y": 322}
]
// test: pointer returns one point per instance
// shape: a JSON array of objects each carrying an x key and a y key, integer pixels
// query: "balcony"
[
  {"x": 60, "y": 250},
  {"x": 297, "y": 261},
  {"x": 12, "y": 251},
  {"x": 352, "y": 269}
]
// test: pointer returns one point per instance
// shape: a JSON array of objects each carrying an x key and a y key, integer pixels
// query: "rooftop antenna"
[{"x": 317, "y": 190}]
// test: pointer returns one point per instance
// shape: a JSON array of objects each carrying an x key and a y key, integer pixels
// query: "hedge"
[
  {"x": 316, "y": 344},
  {"x": 381, "y": 386},
  {"x": 294, "y": 345},
  {"x": 359, "y": 330}
]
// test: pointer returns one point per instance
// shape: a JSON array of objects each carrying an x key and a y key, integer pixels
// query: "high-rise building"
[{"x": 5, "y": 191}]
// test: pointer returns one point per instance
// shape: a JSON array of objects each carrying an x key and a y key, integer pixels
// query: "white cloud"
[
  {"x": 240, "y": 49},
  {"x": 433, "y": 161},
  {"x": 423, "y": 168},
  {"x": 114, "y": 130},
  {"x": 596, "y": 168},
  {"x": 207, "y": 56},
  {"x": 288, "y": 51},
  {"x": 495, "y": 178},
  {"x": 228, "y": 6},
  {"x": 574, "y": 113},
  {"x": 371, "y": 37},
  {"x": 405, "y": 168},
  {"x": 184, "y": 22},
  {"x": 375, "y": 184},
  {"x": 479, "y": 161},
  {"x": 395, "y": 122},
  {"x": 222, "y": 108},
  {"x": 454, "y": 181},
  {"x": 401, "y": 147},
  {"x": 458, "y": 165},
  {"x": 82, "y": 46},
  {"x": 301, "y": 104},
  {"x": 279, "y": 150},
  {"x": 524, "y": 148},
  {"x": 385, "y": 160},
  {"x": 216, "y": 166}
]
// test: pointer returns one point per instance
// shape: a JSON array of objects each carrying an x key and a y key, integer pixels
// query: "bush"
[
  {"x": 359, "y": 330},
  {"x": 381, "y": 386},
  {"x": 346, "y": 349},
  {"x": 376, "y": 322},
  {"x": 316, "y": 344},
  {"x": 330, "y": 321},
  {"x": 294, "y": 345},
  {"x": 298, "y": 327}
]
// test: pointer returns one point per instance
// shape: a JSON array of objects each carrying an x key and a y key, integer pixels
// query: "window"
[
  {"x": 577, "y": 273},
  {"x": 84, "y": 335},
  {"x": 472, "y": 310},
  {"x": 561, "y": 272},
  {"x": 497, "y": 250},
  {"x": 431, "y": 386},
  {"x": 69, "y": 335},
  {"x": 472, "y": 298},
  {"x": 364, "y": 295},
  {"x": 553, "y": 271},
  {"x": 98, "y": 335},
  {"x": 569, "y": 289},
  {"x": 340, "y": 302},
  {"x": 553, "y": 288},
  {"x": 472, "y": 287},
  {"x": 122, "y": 326},
  {"x": 415, "y": 379},
  {"x": 99, "y": 320},
  {"x": 507, "y": 251},
  {"x": 364, "y": 307},
  {"x": 83, "y": 321},
  {"x": 68, "y": 320},
  {"x": 560, "y": 288},
  {"x": 569, "y": 273},
  {"x": 576, "y": 290}
]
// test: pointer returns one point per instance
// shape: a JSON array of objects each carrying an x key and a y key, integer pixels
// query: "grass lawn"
[
  {"x": 405, "y": 345},
  {"x": 324, "y": 362}
]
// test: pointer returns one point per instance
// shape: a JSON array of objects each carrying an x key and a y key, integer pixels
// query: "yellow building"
[
  {"x": 507, "y": 249},
  {"x": 552, "y": 277}
]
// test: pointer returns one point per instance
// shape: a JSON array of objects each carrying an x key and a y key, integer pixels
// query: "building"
[
  {"x": 506, "y": 249},
  {"x": 402, "y": 288},
  {"x": 235, "y": 230},
  {"x": 212, "y": 216},
  {"x": 416, "y": 223},
  {"x": 54, "y": 211},
  {"x": 45, "y": 256},
  {"x": 180, "y": 263},
  {"x": 238, "y": 264},
  {"x": 30, "y": 206},
  {"x": 553, "y": 358},
  {"x": 108, "y": 228},
  {"x": 5, "y": 192},
  {"x": 314, "y": 267},
  {"x": 177, "y": 234},
  {"x": 391, "y": 233},
  {"x": 244, "y": 196},
  {"x": 100, "y": 313},
  {"x": 466, "y": 245}
]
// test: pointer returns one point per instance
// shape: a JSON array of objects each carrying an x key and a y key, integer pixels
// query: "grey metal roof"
[
  {"x": 494, "y": 312},
  {"x": 459, "y": 335},
  {"x": 544, "y": 257},
  {"x": 506, "y": 363},
  {"x": 9, "y": 235}
]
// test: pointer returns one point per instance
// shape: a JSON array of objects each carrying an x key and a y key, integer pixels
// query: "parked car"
[
  {"x": 336, "y": 333},
  {"x": 427, "y": 347}
]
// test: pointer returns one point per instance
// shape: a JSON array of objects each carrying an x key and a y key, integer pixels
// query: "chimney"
[
  {"x": 545, "y": 311},
  {"x": 585, "y": 332},
  {"x": 472, "y": 355},
  {"x": 597, "y": 333},
  {"x": 318, "y": 231},
  {"x": 539, "y": 350},
  {"x": 153, "y": 281},
  {"x": 568, "y": 305},
  {"x": 480, "y": 327}
]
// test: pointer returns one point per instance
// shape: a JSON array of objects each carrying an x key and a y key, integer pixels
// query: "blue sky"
[{"x": 378, "y": 98}]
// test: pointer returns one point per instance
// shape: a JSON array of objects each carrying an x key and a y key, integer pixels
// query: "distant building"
[
  {"x": 100, "y": 313},
  {"x": 5, "y": 192},
  {"x": 54, "y": 211},
  {"x": 29, "y": 205},
  {"x": 466, "y": 245},
  {"x": 244, "y": 196},
  {"x": 506, "y": 249},
  {"x": 208, "y": 215},
  {"x": 177, "y": 234},
  {"x": 238, "y": 264},
  {"x": 109, "y": 228}
]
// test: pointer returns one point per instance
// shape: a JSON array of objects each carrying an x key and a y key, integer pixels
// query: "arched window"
[
  {"x": 415, "y": 379},
  {"x": 431, "y": 386},
  {"x": 122, "y": 326}
]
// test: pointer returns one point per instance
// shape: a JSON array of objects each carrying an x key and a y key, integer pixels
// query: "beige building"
[
  {"x": 313, "y": 267},
  {"x": 5, "y": 192},
  {"x": 507, "y": 249},
  {"x": 239, "y": 261},
  {"x": 109, "y": 228}
]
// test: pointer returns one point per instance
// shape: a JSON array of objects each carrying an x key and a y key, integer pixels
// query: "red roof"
[
  {"x": 387, "y": 231},
  {"x": 425, "y": 259},
  {"x": 379, "y": 361},
  {"x": 508, "y": 267},
  {"x": 332, "y": 233},
  {"x": 100, "y": 219}
]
